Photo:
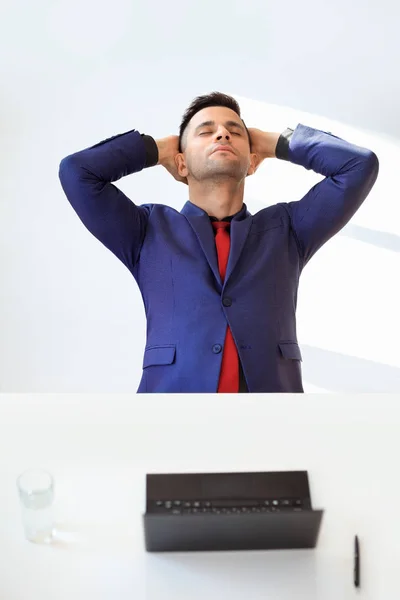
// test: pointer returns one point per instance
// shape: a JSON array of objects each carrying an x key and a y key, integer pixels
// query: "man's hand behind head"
[{"x": 168, "y": 148}]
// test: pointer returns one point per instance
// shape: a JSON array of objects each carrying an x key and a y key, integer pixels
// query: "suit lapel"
[
  {"x": 239, "y": 233},
  {"x": 200, "y": 222}
]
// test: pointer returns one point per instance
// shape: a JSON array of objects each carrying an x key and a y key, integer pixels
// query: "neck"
[{"x": 217, "y": 199}]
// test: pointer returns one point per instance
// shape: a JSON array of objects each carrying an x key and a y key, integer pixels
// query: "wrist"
[
  {"x": 270, "y": 141},
  {"x": 162, "y": 147}
]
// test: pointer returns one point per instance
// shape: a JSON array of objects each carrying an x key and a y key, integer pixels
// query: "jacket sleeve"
[
  {"x": 350, "y": 172},
  {"x": 86, "y": 178}
]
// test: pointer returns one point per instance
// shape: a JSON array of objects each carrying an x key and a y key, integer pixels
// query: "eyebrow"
[{"x": 227, "y": 124}]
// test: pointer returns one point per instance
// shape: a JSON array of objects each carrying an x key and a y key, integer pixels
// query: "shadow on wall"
[
  {"x": 343, "y": 373},
  {"x": 381, "y": 239}
]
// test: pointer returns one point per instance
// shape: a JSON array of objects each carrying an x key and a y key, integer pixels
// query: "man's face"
[{"x": 209, "y": 128}]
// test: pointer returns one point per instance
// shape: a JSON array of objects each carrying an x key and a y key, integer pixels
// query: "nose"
[{"x": 221, "y": 135}]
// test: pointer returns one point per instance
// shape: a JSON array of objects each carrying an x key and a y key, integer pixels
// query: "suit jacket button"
[
  {"x": 227, "y": 302},
  {"x": 217, "y": 348}
]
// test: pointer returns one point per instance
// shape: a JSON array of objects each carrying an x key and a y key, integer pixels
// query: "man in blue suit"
[{"x": 219, "y": 285}]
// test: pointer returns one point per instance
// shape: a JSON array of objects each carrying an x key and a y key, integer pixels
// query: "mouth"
[{"x": 223, "y": 149}]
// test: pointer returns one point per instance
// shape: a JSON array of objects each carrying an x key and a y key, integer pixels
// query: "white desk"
[{"x": 99, "y": 447}]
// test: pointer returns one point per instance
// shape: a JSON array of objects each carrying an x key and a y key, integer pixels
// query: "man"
[{"x": 219, "y": 285}]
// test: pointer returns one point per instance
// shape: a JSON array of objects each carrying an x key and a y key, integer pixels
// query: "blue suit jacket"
[{"x": 173, "y": 258}]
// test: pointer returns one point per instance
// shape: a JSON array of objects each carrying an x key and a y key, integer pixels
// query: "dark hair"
[{"x": 213, "y": 99}]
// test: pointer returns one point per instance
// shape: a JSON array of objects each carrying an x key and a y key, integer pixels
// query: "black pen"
[{"x": 356, "y": 562}]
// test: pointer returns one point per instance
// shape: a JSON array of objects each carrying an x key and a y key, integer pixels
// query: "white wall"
[{"x": 73, "y": 73}]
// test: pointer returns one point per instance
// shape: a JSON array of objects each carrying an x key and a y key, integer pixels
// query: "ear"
[
  {"x": 181, "y": 165},
  {"x": 255, "y": 162}
]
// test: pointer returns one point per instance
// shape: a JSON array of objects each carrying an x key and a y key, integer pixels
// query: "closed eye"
[{"x": 207, "y": 132}]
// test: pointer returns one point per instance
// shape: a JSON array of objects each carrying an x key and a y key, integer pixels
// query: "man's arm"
[
  {"x": 86, "y": 178},
  {"x": 350, "y": 172}
]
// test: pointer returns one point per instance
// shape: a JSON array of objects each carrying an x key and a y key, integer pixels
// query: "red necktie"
[{"x": 229, "y": 375}]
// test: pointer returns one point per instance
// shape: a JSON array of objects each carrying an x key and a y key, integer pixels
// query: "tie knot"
[{"x": 220, "y": 225}]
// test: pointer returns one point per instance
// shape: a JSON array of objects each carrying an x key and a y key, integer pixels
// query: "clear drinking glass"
[{"x": 36, "y": 492}]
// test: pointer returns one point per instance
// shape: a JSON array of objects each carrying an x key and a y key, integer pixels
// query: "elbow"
[
  {"x": 68, "y": 166},
  {"x": 370, "y": 169},
  {"x": 374, "y": 166},
  {"x": 372, "y": 162}
]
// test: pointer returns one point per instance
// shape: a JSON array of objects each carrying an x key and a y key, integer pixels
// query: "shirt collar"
[
  {"x": 192, "y": 210},
  {"x": 228, "y": 219}
]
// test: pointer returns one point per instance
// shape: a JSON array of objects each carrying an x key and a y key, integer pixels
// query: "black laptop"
[{"x": 229, "y": 511}]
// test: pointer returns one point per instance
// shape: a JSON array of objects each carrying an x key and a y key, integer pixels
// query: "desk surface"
[{"x": 99, "y": 448}]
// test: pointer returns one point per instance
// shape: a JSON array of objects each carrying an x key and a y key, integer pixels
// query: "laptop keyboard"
[{"x": 228, "y": 507}]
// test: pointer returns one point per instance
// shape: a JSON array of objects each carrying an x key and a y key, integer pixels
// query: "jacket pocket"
[
  {"x": 290, "y": 350},
  {"x": 158, "y": 355}
]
